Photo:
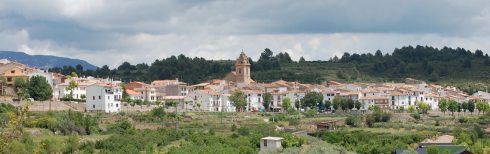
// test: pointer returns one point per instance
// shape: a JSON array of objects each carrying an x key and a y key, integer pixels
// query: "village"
[
  {"x": 284, "y": 115},
  {"x": 106, "y": 95}
]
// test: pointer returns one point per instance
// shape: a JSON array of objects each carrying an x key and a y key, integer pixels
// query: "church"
[{"x": 241, "y": 75}]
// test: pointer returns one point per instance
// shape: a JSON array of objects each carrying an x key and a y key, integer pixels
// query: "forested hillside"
[{"x": 446, "y": 65}]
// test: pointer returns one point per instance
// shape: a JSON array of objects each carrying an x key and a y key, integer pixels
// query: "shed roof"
[{"x": 272, "y": 138}]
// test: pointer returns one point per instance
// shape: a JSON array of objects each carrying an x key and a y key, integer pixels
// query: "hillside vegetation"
[{"x": 460, "y": 67}]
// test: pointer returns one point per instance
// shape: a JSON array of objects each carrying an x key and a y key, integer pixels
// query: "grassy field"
[{"x": 223, "y": 129}]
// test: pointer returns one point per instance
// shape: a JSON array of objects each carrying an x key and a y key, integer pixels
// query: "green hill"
[{"x": 459, "y": 67}]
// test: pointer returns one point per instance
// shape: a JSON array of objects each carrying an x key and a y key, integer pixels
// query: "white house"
[
  {"x": 277, "y": 98},
  {"x": 381, "y": 101},
  {"x": 104, "y": 97},
  {"x": 270, "y": 143},
  {"x": 254, "y": 99},
  {"x": 207, "y": 100},
  {"x": 227, "y": 105},
  {"x": 79, "y": 92}
]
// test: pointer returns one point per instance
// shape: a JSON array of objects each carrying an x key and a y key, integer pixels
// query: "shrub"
[
  {"x": 419, "y": 127},
  {"x": 385, "y": 117},
  {"x": 51, "y": 145},
  {"x": 443, "y": 129},
  {"x": 158, "y": 112},
  {"x": 243, "y": 131},
  {"x": 87, "y": 147},
  {"x": 292, "y": 111},
  {"x": 416, "y": 115},
  {"x": 72, "y": 143},
  {"x": 397, "y": 125},
  {"x": 66, "y": 123},
  {"x": 4, "y": 108},
  {"x": 120, "y": 126},
  {"x": 462, "y": 120},
  {"x": 72, "y": 99},
  {"x": 311, "y": 113},
  {"x": 353, "y": 120},
  {"x": 377, "y": 117},
  {"x": 294, "y": 121},
  {"x": 401, "y": 109},
  {"x": 371, "y": 142},
  {"x": 292, "y": 141}
]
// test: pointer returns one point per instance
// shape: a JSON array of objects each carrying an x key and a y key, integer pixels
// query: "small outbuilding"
[{"x": 270, "y": 143}]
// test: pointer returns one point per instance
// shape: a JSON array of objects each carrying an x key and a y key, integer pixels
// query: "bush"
[
  {"x": 158, "y": 112},
  {"x": 311, "y": 113},
  {"x": 278, "y": 117},
  {"x": 367, "y": 142},
  {"x": 243, "y": 131},
  {"x": 233, "y": 127},
  {"x": 87, "y": 147},
  {"x": 72, "y": 99},
  {"x": 66, "y": 123},
  {"x": 463, "y": 120},
  {"x": 51, "y": 145},
  {"x": 377, "y": 117},
  {"x": 120, "y": 126},
  {"x": 292, "y": 111},
  {"x": 5, "y": 108},
  {"x": 294, "y": 121},
  {"x": 416, "y": 115},
  {"x": 292, "y": 141},
  {"x": 72, "y": 143},
  {"x": 353, "y": 120}
]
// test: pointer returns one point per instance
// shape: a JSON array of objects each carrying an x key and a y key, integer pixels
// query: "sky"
[{"x": 109, "y": 32}]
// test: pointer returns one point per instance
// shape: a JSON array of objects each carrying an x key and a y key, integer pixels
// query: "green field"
[{"x": 202, "y": 132}]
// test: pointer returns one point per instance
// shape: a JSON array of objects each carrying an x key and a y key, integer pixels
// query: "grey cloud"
[{"x": 140, "y": 31}]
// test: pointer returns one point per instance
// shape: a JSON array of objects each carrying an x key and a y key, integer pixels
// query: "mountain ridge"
[{"x": 45, "y": 61}]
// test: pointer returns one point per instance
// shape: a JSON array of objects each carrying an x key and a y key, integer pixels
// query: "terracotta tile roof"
[
  {"x": 431, "y": 95},
  {"x": 373, "y": 98},
  {"x": 132, "y": 92}
]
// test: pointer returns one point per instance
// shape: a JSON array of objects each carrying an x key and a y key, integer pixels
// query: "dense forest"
[{"x": 420, "y": 62}]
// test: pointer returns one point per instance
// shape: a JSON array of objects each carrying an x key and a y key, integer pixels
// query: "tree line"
[{"x": 422, "y": 62}]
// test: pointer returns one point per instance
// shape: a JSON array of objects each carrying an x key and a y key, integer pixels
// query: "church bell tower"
[{"x": 242, "y": 69}]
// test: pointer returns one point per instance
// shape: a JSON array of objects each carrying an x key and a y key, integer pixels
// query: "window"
[
  {"x": 93, "y": 97},
  {"x": 265, "y": 143},
  {"x": 93, "y": 106},
  {"x": 117, "y": 105},
  {"x": 13, "y": 71},
  {"x": 108, "y": 97},
  {"x": 9, "y": 79},
  {"x": 100, "y": 97}
]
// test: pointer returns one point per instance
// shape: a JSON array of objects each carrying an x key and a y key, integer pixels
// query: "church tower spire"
[{"x": 242, "y": 69}]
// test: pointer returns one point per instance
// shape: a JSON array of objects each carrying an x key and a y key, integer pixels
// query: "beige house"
[{"x": 15, "y": 72}]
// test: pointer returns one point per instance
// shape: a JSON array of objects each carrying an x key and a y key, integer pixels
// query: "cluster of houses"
[{"x": 105, "y": 95}]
